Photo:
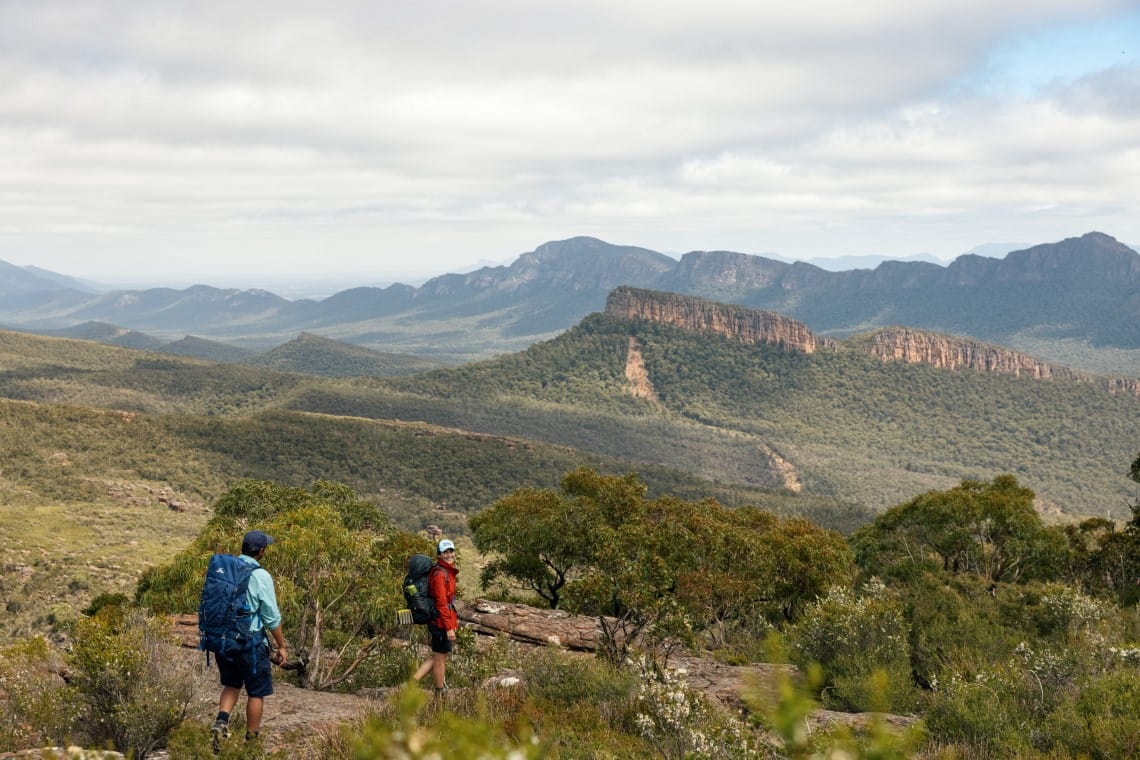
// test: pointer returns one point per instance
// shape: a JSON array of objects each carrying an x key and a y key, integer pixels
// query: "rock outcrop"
[
  {"x": 949, "y": 352},
  {"x": 956, "y": 353},
  {"x": 636, "y": 374},
  {"x": 889, "y": 344},
  {"x": 699, "y": 315}
]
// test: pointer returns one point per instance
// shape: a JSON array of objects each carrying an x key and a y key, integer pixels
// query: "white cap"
[{"x": 444, "y": 545}]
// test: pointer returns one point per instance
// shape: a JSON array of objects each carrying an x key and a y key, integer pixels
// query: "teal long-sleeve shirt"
[{"x": 262, "y": 598}]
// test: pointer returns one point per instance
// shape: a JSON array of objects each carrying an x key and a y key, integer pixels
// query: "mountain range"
[{"x": 1074, "y": 302}]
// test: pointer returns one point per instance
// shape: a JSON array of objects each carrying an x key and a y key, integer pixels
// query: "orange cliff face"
[
  {"x": 890, "y": 344},
  {"x": 947, "y": 352},
  {"x": 699, "y": 315}
]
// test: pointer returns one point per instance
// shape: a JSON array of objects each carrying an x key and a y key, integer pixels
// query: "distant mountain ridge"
[
  {"x": 1082, "y": 292},
  {"x": 16, "y": 281},
  {"x": 753, "y": 326}
]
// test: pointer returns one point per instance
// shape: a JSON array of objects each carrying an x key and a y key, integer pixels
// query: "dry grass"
[{"x": 59, "y": 556}]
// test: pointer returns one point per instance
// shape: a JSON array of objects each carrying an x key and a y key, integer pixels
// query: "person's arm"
[
  {"x": 278, "y": 654},
  {"x": 269, "y": 612}
]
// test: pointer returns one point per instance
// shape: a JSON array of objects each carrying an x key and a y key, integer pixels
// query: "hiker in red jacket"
[{"x": 442, "y": 627}]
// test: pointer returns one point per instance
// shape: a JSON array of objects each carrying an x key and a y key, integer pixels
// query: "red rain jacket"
[{"x": 441, "y": 587}]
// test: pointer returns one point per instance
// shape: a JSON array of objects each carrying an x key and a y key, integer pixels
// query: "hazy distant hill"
[
  {"x": 201, "y": 348},
  {"x": 1075, "y": 302},
  {"x": 15, "y": 281},
  {"x": 314, "y": 355},
  {"x": 106, "y": 333}
]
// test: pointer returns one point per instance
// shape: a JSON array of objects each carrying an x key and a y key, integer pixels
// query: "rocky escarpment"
[
  {"x": 699, "y": 315},
  {"x": 950, "y": 352},
  {"x": 955, "y": 353},
  {"x": 889, "y": 344}
]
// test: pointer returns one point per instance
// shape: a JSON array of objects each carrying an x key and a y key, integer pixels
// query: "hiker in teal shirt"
[{"x": 252, "y": 671}]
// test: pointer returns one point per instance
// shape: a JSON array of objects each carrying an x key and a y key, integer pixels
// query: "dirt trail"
[{"x": 291, "y": 711}]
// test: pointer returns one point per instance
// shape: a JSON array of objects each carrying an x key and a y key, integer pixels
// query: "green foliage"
[
  {"x": 861, "y": 643},
  {"x": 540, "y": 552},
  {"x": 105, "y": 600},
  {"x": 564, "y": 681},
  {"x": 35, "y": 699},
  {"x": 681, "y": 723},
  {"x": 336, "y": 563},
  {"x": 987, "y": 529},
  {"x": 131, "y": 692},
  {"x": 1102, "y": 721},
  {"x": 447, "y": 734},
  {"x": 653, "y": 570},
  {"x": 785, "y": 711}
]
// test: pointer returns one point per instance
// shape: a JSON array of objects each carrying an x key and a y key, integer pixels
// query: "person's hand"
[
  {"x": 451, "y": 635},
  {"x": 278, "y": 656}
]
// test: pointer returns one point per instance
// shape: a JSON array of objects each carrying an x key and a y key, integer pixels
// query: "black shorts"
[
  {"x": 439, "y": 641},
  {"x": 246, "y": 670}
]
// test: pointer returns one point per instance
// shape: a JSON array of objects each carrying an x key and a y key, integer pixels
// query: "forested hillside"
[
  {"x": 834, "y": 424},
  {"x": 851, "y": 426}
]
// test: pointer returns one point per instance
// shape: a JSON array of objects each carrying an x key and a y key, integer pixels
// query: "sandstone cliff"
[
  {"x": 957, "y": 353},
  {"x": 890, "y": 344},
  {"x": 951, "y": 352},
  {"x": 699, "y": 315}
]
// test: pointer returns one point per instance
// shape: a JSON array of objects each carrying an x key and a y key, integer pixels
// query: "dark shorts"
[
  {"x": 439, "y": 641},
  {"x": 252, "y": 673}
]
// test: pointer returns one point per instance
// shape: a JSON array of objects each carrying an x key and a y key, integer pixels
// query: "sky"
[{"x": 205, "y": 139}]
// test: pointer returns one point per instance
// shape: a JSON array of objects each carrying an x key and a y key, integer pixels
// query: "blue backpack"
[{"x": 223, "y": 614}]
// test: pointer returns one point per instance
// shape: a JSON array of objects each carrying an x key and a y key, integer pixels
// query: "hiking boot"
[{"x": 219, "y": 732}]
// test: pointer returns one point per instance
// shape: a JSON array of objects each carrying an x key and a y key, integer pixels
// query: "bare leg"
[
  {"x": 253, "y": 709},
  {"x": 438, "y": 669},
  {"x": 424, "y": 668},
  {"x": 229, "y": 699}
]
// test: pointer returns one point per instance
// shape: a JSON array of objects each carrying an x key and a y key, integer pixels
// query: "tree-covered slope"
[
  {"x": 850, "y": 425},
  {"x": 314, "y": 355}
]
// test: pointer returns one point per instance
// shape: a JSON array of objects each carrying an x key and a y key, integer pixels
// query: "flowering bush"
[
  {"x": 681, "y": 723},
  {"x": 1064, "y": 612},
  {"x": 852, "y": 636}
]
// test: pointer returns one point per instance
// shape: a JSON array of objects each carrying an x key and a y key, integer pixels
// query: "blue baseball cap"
[{"x": 256, "y": 540}]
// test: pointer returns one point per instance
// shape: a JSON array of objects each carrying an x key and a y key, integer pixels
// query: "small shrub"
[
  {"x": 1063, "y": 612},
  {"x": 130, "y": 690},
  {"x": 470, "y": 665},
  {"x": 563, "y": 681},
  {"x": 998, "y": 711},
  {"x": 105, "y": 600},
  {"x": 446, "y": 735},
  {"x": 34, "y": 701},
  {"x": 785, "y": 713},
  {"x": 1103, "y": 721},
  {"x": 852, "y": 637},
  {"x": 681, "y": 723}
]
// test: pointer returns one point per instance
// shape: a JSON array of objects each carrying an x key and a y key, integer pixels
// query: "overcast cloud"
[{"x": 211, "y": 137}]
